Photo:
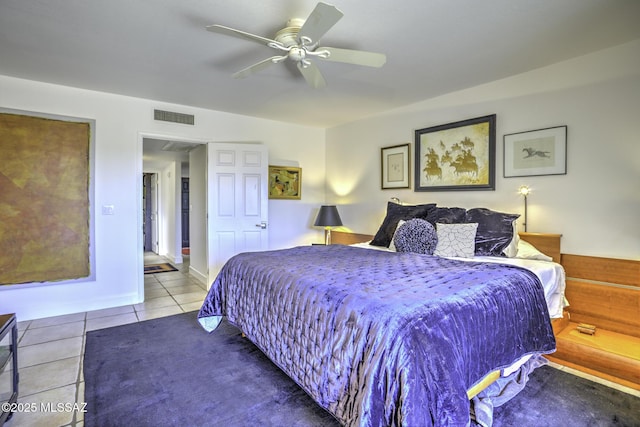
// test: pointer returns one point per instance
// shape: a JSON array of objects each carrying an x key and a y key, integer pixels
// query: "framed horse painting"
[{"x": 456, "y": 156}]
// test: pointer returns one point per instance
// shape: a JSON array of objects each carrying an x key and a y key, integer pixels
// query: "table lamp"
[{"x": 328, "y": 217}]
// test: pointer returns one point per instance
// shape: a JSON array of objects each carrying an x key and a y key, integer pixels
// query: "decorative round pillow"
[{"x": 416, "y": 235}]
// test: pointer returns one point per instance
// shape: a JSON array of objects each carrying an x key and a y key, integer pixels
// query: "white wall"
[
  {"x": 595, "y": 206},
  {"x": 120, "y": 121}
]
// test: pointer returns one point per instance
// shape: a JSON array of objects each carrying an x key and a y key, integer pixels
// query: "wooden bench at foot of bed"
[{"x": 605, "y": 293}]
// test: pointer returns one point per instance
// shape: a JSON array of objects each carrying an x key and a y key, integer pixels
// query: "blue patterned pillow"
[{"x": 416, "y": 235}]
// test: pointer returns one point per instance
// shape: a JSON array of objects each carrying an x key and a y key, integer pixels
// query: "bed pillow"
[
  {"x": 512, "y": 248},
  {"x": 395, "y": 213},
  {"x": 392, "y": 246},
  {"x": 495, "y": 230},
  {"x": 456, "y": 240},
  {"x": 446, "y": 215},
  {"x": 416, "y": 235},
  {"x": 527, "y": 251}
]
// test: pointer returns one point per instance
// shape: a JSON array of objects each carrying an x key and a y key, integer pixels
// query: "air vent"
[{"x": 170, "y": 116}]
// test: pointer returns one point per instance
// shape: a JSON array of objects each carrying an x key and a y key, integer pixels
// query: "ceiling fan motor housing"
[{"x": 288, "y": 36}]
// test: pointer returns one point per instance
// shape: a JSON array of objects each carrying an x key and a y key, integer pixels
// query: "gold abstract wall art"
[
  {"x": 44, "y": 199},
  {"x": 285, "y": 182}
]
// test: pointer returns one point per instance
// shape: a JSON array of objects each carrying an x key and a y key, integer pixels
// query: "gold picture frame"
[{"x": 285, "y": 182}]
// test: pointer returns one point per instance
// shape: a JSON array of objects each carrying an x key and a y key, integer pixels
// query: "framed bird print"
[{"x": 536, "y": 152}]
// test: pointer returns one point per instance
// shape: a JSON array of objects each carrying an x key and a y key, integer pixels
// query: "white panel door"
[{"x": 237, "y": 201}]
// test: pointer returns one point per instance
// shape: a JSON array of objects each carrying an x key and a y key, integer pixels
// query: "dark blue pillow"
[
  {"x": 416, "y": 235},
  {"x": 395, "y": 213},
  {"x": 495, "y": 230},
  {"x": 446, "y": 215}
]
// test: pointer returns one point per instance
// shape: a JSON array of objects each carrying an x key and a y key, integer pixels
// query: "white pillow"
[
  {"x": 512, "y": 250},
  {"x": 527, "y": 251},
  {"x": 457, "y": 240},
  {"x": 392, "y": 245}
]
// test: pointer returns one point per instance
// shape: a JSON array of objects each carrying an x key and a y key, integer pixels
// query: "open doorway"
[
  {"x": 227, "y": 200},
  {"x": 165, "y": 194},
  {"x": 185, "y": 216},
  {"x": 149, "y": 212}
]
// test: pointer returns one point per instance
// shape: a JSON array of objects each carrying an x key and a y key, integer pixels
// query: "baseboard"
[{"x": 202, "y": 278}]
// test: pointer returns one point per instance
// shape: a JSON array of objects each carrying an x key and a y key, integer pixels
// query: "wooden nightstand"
[{"x": 8, "y": 363}]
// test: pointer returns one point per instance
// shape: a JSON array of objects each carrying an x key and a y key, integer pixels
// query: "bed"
[{"x": 382, "y": 337}]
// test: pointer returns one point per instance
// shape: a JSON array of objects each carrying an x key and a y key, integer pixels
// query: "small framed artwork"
[
  {"x": 395, "y": 166},
  {"x": 456, "y": 156},
  {"x": 285, "y": 182},
  {"x": 536, "y": 152}
]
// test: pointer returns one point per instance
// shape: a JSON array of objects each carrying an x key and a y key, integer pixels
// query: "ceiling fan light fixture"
[{"x": 300, "y": 40}]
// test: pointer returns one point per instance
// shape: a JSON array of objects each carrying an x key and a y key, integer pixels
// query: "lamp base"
[{"x": 327, "y": 236}]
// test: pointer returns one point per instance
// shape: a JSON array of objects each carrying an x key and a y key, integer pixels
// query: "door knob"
[{"x": 262, "y": 225}]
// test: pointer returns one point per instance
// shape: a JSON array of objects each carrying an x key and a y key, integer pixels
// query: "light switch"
[{"x": 108, "y": 209}]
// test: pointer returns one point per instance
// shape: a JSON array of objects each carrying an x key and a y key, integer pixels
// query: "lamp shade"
[{"x": 328, "y": 216}]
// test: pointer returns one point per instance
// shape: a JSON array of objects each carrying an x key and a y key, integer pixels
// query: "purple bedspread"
[{"x": 382, "y": 338}]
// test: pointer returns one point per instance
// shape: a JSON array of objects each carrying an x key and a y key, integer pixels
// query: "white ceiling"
[{"x": 159, "y": 49}]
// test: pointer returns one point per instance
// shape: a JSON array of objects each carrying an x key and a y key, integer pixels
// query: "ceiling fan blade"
[
  {"x": 320, "y": 21},
  {"x": 246, "y": 72},
  {"x": 312, "y": 75},
  {"x": 357, "y": 57},
  {"x": 221, "y": 29}
]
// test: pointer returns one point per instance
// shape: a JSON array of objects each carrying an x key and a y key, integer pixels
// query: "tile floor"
[{"x": 50, "y": 350}]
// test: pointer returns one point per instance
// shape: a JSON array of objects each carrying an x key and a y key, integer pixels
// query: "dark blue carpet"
[{"x": 170, "y": 372}]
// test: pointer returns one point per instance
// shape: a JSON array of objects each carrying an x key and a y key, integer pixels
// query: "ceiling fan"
[{"x": 298, "y": 42}]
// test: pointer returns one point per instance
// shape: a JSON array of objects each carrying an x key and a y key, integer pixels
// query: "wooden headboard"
[{"x": 548, "y": 244}]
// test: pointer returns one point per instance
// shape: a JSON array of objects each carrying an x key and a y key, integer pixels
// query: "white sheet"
[{"x": 551, "y": 276}]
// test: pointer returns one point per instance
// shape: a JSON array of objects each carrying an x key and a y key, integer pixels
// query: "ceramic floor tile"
[
  {"x": 181, "y": 281},
  {"x": 111, "y": 321},
  {"x": 110, "y": 312},
  {"x": 46, "y": 376},
  {"x": 48, "y": 413},
  {"x": 57, "y": 320},
  {"x": 155, "y": 293},
  {"x": 49, "y": 351},
  {"x": 155, "y": 285},
  {"x": 159, "y": 312},
  {"x": 155, "y": 303},
  {"x": 24, "y": 325},
  {"x": 190, "y": 297},
  {"x": 173, "y": 275},
  {"x": 80, "y": 400},
  {"x": 52, "y": 333},
  {"x": 184, "y": 289},
  {"x": 191, "y": 306}
]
